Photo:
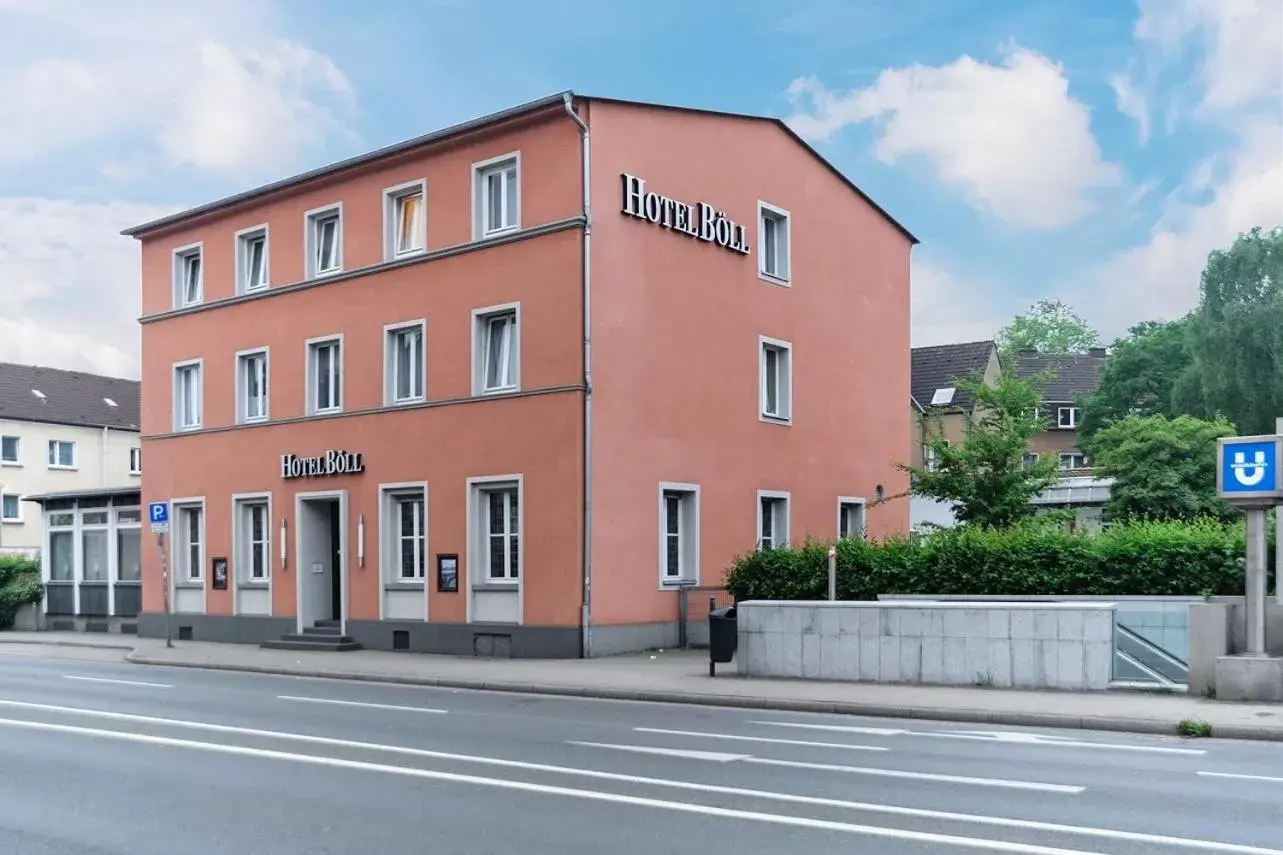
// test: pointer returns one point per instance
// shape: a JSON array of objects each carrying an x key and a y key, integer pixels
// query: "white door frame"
[{"x": 341, "y": 569}]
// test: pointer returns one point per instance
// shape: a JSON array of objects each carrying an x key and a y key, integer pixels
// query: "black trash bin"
[{"x": 723, "y": 637}]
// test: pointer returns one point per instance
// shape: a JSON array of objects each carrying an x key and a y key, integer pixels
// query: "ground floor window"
[
  {"x": 253, "y": 541},
  {"x": 679, "y": 533},
  {"x": 850, "y": 519},
  {"x": 502, "y": 533},
  {"x": 772, "y": 519},
  {"x": 189, "y": 542}
]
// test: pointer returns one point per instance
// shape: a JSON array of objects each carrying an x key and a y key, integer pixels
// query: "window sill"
[
  {"x": 505, "y": 586},
  {"x": 406, "y": 254},
  {"x": 11, "y": 521},
  {"x": 129, "y": 582},
  {"x": 256, "y": 289},
  {"x": 256, "y": 420},
  {"x": 403, "y": 586},
  {"x": 498, "y": 393},
  {"x": 191, "y": 585},
  {"x": 193, "y": 303},
  {"x": 256, "y": 585},
  {"x": 783, "y": 421},
  {"x": 782, "y": 281},
  {"x": 677, "y": 584},
  {"x": 407, "y": 402},
  {"x": 11, "y": 463},
  {"x": 328, "y": 411},
  {"x": 187, "y": 428},
  {"x": 136, "y": 474},
  {"x": 323, "y": 274},
  {"x": 63, "y": 468},
  {"x": 493, "y": 233}
]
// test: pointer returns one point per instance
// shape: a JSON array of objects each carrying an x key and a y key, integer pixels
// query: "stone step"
[
  {"x": 310, "y": 644},
  {"x": 323, "y": 631},
  {"x": 318, "y": 638}
]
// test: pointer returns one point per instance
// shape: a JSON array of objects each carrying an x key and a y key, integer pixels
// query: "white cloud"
[
  {"x": 1010, "y": 136},
  {"x": 947, "y": 308},
  {"x": 1132, "y": 102}
]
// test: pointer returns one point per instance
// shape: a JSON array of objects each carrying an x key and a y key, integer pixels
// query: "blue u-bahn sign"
[{"x": 1247, "y": 469}]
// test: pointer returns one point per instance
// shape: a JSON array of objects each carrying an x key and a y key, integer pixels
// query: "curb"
[
  {"x": 60, "y": 643},
  {"x": 872, "y": 710}
]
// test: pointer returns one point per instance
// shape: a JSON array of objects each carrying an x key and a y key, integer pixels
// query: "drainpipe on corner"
[
  {"x": 103, "y": 467},
  {"x": 585, "y": 616}
]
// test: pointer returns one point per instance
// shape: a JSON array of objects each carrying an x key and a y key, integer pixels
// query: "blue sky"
[{"x": 1092, "y": 151}]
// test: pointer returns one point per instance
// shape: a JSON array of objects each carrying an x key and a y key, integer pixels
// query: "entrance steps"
[{"x": 322, "y": 635}]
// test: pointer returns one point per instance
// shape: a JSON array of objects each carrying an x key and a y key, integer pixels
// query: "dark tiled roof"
[
  {"x": 943, "y": 365},
  {"x": 1070, "y": 375},
  {"x": 69, "y": 397}
]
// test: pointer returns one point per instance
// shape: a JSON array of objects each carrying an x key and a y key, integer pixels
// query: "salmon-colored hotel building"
[{"x": 513, "y": 387}]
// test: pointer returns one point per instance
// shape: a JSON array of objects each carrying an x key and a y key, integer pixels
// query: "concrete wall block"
[
  {"x": 774, "y": 620},
  {"x": 847, "y": 666},
  {"x": 932, "y": 668},
  {"x": 850, "y": 620},
  {"x": 1000, "y": 666},
  {"x": 790, "y": 655},
  {"x": 889, "y": 659},
  {"x": 871, "y": 622},
  {"x": 830, "y": 621},
  {"x": 811, "y": 656},
  {"x": 976, "y": 653},
  {"x": 749, "y": 618},
  {"x": 810, "y": 620},
  {"x": 911, "y": 621},
  {"x": 1046, "y": 625},
  {"x": 1098, "y": 626},
  {"x": 1097, "y": 662},
  {"x": 999, "y": 624},
  {"x": 870, "y": 656},
  {"x": 1023, "y": 668},
  {"x": 933, "y": 623},
  {"x": 1022, "y": 624},
  {"x": 955, "y": 623},
  {"x": 890, "y": 622},
  {"x": 1046, "y": 663},
  {"x": 911, "y": 659},
  {"x": 955, "y": 662},
  {"x": 1210, "y": 636},
  {"x": 1069, "y": 625},
  {"x": 977, "y": 621},
  {"x": 1069, "y": 665}
]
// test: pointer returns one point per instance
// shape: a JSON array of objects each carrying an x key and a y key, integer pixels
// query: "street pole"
[
  {"x": 1278, "y": 537},
  {"x": 833, "y": 573},
  {"x": 164, "y": 580},
  {"x": 1257, "y": 544}
]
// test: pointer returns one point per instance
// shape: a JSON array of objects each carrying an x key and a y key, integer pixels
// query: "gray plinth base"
[{"x": 1249, "y": 678}]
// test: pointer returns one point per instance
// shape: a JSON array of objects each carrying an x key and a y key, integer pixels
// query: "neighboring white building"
[{"x": 61, "y": 431}]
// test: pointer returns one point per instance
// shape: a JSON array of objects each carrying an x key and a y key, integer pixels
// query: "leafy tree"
[
  {"x": 1236, "y": 336},
  {"x": 1139, "y": 375},
  {"x": 1163, "y": 468},
  {"x": 1050, "y": 326},
  {"x": 983, "y": 477}
]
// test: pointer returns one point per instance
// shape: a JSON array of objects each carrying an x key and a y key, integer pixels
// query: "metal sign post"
[
  {"x": 1248, "y": 475},
  {"x": 833, "y": 573},
  {"x": 158, "y": 516}
]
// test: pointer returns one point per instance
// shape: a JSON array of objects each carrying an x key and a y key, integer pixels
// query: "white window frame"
[
  {"x": 688, "y": 534},
  {"x": 311, "y": 222},
  {"x": 846, "y": 504},
  {"x": 390, "y": 535},
  {"x": 243, "y": 358},
  {"x": 177, "y": 394},
  {"x": 1067, "y": 424},
  {"x": 179, "y": 269},
  {"x": 135, "y": 461},
  {"x": 311, "y": 347},
  {"x": 479, "y": 490},
  {"x": 1028, "y": 459},
  {"x": 930, "y": 461},
  {"x": 390, "y": 363},
  {"x": 75, "y": 455},
  {"x": 480, "y": 339},
  {"x": 1072, "y": 454},
  {"x": 784, "y": 383},
  {"x": 181, "y": 547},
  {"x": 480, "y": 200},
  {"x": 243, "y": 539},
  {"x": 16, "y": 460},
  {"x": 392, "y": 197},
  {"x": 243, "y": 239},
  {"x": 766, "y": 210},
  {"x": 11, "y": 520},
  {"x": 777, "y": 496}
]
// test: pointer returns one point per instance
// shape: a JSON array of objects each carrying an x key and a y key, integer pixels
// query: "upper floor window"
[
  {"x": 187, "y": 396},
  {"x": 405, "y": 365},
  {"x": 10, "y": 450},
  {"x": 1067, "y": 417},
  {"x": 325, "y": 375},
  {"x": 776, "y": 380},
  {"x": 189, "y": 275},
  {"x": 251, "y": 384},
  {"x": 1074, "y": 460},
  {"x": 1028, "y": 459},
  {"x": 406, "y": 219},
  {"x": 324, "y": 241},
  {"x": 251, "y": 259},
  {"x": 497, "y": 343},
  {"x": 497, "y": 195},
  {"x": 62, "y": 454},
  {"x": 135, "y": 461},
  {"x": 773, "y": 243}
]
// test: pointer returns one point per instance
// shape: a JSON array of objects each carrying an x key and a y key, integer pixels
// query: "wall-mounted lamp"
[
  {"x": 285, "y": 529},
  {"x": 360, "y": 540}
]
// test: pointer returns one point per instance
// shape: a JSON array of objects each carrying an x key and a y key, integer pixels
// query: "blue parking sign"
[
  {"x": 1247, "y": 467},
  {"x": 158, "y": 516}
]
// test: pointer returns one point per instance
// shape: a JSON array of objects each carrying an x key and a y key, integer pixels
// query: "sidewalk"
[{"x": 681, "y": 676}]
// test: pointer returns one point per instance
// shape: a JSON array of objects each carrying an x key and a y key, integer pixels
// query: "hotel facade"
[{"x": 515, "y": 387}]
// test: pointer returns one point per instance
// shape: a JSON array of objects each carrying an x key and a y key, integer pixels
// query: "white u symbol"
[{"x": 1248, "y": 474}]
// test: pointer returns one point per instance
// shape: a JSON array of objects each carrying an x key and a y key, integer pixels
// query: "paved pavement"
[
  {"x": 102, "y": 757},
  {"x": 682, "y": 676}
]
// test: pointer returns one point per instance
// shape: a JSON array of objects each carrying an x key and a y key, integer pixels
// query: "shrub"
[
  {"x": 19, "y": 586},
  {"x": 1144, "y": 558}
]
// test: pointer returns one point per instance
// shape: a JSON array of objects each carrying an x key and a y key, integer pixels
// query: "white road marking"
[
  {"x": 760, "y": 739},
  {"x": 1053, "y": 741},
  {"x": 714, "y": 756},
  {"x": 547, "y": 789},
  {"x": 836, "y": 728},
  {"x": 1242, "y": 777},
  {"x": 765, "y": 795},
  {"x": 117, "y": 682},
  {"x": 304, "y": 700},
  {"x": 923, "y": 776}
]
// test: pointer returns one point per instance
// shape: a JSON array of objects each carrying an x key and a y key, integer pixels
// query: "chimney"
[{"x": 1096, "y": 352}]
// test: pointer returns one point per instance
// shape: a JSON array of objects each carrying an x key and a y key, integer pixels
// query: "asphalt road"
[{"x": 103, "y": 758}]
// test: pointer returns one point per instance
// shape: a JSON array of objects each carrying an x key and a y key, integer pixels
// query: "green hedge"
[
  {"x": 1151, "y": 558},
  {"x": 19, "y": 585}
]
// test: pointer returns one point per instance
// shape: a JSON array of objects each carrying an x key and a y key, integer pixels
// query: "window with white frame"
[
  {"x": 189, "y": 276},
  {"x": 502, "y": 532},
  {"x": 772, "y": 520},
  {"x": 850, "y": 519},
  {"x": 62, "y": 454},
  {"x": 776, "y": 374},
  {"x": 404, "y": 354},
  {"x": 62, "y": 545},
  {"x": 1067, "y": 417},
  {"x": 773, "y": 242},
  {"x": 135, "y": 461},
  {"x": 498, "y": 344},
  {"x": 931, "y": 453},
  {"x": 254, "y": 541},
  {"x": 189, "y": 543},
  {"x": 324, "y": 241},
  {"x": 10, "y": 507},
  {"x": 1074, "y": 460},
  {"x": 128, "y": 545},
  {"x": 410, "y": 525},
  {"x": 10, "y": 450},
  {"x": 496, "y": 195},
  {"x": 1028, "y": 460},
  {"x": 187, "y": 396},
  {"x": 325, "y": 375},
  {"x": 95, "y": 545},
  {"x": 251, "y": 385},
  {"x": 406, "y": 219},
  {"x": 679, "y": 534},
  {"x": 251, "y": 259}
]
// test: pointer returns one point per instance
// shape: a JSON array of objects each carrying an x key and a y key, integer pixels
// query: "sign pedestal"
[{"x": 1257, "y": 543}]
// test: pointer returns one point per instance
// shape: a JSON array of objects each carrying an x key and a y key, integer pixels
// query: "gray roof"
[
  {"x": 1071, "y": 375},
  {"x": 943, "y": 365},
  {"x": 86, "y": 493},
  {"x": 472, "y": 125},
  {"x": 67, "y": 397}
]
